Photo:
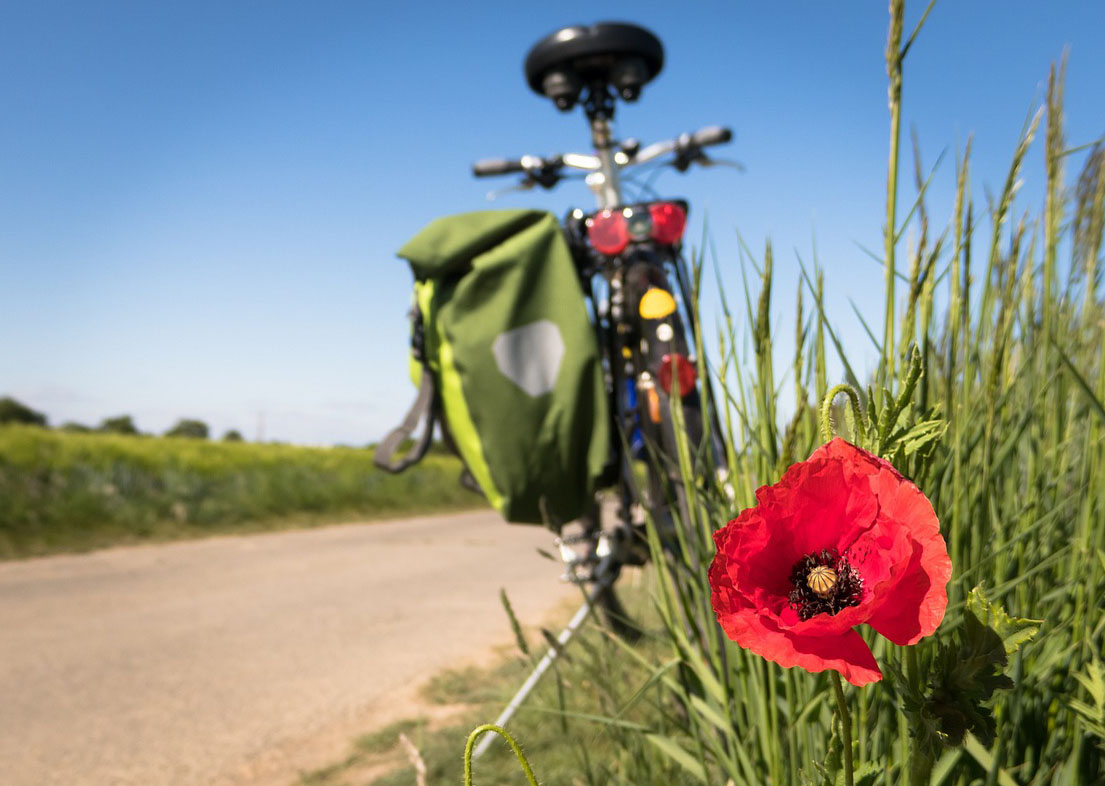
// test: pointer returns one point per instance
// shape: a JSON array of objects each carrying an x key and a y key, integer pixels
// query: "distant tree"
[
  {"x": 76, "y": 428},
  {"x": 187, "y": 427},
  {"x": 12, "y": 411},
  {"x": 120, "y": 424},
  {"x": 233, "y": 436}
]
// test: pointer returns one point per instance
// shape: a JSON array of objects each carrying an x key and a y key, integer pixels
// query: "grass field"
[{"x": 73, "y": 492}]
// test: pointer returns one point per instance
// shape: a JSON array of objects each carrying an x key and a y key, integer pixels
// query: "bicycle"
[{"x": 629, "y": 258}]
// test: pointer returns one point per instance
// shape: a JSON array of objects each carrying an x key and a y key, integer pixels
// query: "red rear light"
[
  {"x": 608, "y": 232},
  {"x": 688, "y": 375},
  {"x": 668, "y": 222}
]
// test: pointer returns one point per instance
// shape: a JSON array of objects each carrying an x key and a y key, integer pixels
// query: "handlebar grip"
[
  {"x": 497, "y": 166},
  {"x": 711, "y": 135}
]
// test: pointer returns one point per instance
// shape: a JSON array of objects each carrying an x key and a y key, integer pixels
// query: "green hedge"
[{"x": 69, "y": 492}]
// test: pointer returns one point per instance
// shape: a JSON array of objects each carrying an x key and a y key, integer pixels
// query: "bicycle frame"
[
  {"x": 569, "y": 67},
  {"x": 606, "y": 164},
  {"x": 639, "y": 350}
]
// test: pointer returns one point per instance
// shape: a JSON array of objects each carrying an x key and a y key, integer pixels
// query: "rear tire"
[
  {"x": 643, "y": 347},
  {"x": 615, "y": 617},
  {"x": 665, "y": 470},
  {"x": 604, "y": 574}
]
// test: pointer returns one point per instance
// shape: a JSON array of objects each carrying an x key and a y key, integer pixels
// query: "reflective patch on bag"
[{"x": 530, "y": 356}]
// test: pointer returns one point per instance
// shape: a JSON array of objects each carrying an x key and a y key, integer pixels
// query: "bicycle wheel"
[
  {"x": 667, "y": 375},
  {"x": 640, "y": 345},
  {"x": 606, "y": 559},
  {"x": 661, "y": 493}
]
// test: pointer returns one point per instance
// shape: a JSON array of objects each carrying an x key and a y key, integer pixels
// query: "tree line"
[{"x": 13, "y": 411}]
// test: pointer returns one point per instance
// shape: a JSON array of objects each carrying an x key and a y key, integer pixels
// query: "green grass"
[
  {"x": 380, "y": 749},
  {"x": 73, "y": 492},
  {"x": 992, "y": 342},
  {"x": 386, "y": 739}
]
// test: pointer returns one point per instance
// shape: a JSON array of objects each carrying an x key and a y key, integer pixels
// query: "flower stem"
[
  {"x": 846, "y": 725},
  {"x": 920, "y": 763},
  {"x": 475, "y": 735},
  {"x": 826, "y": 408}
]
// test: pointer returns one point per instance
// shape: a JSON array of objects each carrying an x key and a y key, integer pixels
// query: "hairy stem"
[
  {"x": 846, "y": 726},
  {"x": 475, "y": 735},
  {"x": 920, "y": 763}
]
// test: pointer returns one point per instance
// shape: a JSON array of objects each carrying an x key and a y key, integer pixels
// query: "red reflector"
[
  {"x": 668, "y": 222},
  {"x": 688, "y": 375},
  {"x": 608, "y": 232}
]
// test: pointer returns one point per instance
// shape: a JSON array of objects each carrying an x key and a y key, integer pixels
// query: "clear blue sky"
[{"x": 200, "y": 201}]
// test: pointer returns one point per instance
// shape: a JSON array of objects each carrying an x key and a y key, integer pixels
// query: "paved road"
[{"x": 246, "y": 659}]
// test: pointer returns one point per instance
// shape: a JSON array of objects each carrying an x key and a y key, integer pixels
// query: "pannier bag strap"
[{"x": 424, "y": 408}]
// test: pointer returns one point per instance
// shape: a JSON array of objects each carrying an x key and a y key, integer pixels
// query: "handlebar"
[
  {"x": 711, "y": 135},
  {"x": 687, "y": 148},
  {"x": 497, "y": 166}
]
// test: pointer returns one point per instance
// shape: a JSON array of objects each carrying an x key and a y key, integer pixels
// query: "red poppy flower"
[{"x": 842, "y": 539}]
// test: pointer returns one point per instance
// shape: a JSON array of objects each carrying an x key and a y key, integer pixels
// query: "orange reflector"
[
  {"x": 656, "y": 304},
  {"x": 653, "y": 405},
  {"x": 647, "y": 388}
]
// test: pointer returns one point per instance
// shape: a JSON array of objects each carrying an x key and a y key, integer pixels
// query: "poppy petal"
[
  {"x": 846, "y": 652},
  {"x": 920, "y": 598}
]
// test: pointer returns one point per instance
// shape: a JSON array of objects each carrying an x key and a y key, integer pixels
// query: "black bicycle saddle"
[{"x": 621, "y": 55}]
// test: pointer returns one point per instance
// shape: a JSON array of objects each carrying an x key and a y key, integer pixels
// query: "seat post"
[{"x": 604, "y": 183}]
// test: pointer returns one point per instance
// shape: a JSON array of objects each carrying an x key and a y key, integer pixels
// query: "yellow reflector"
[
  {"x": 627, "y": 353},
  {"x": 657, "y": 304}
]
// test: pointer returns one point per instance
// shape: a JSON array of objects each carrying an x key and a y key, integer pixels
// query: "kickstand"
[{"x": 542, "y": 666}]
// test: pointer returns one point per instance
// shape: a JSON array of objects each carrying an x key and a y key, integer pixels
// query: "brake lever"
[
  {"x": 706, "y": 161},
  {"x": 547, "y": 175},
  {"x": 687, "y": 156},
  {"x": 526, "y": 185}
]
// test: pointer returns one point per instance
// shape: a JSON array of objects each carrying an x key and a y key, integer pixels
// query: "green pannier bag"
[{"x": 506, "y": 359}]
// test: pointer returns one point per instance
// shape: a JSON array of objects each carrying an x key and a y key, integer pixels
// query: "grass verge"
[
  {"x": 65, "y": 492},
  {"x": 565, "y": 727}
]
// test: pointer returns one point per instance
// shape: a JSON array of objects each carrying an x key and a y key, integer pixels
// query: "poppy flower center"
[
  {"x": 822, "y": 580},
  {"x": 824, "y": 583}
]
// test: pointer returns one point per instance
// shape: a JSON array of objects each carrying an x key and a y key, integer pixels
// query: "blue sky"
[{"x": 200, "y": 202}]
